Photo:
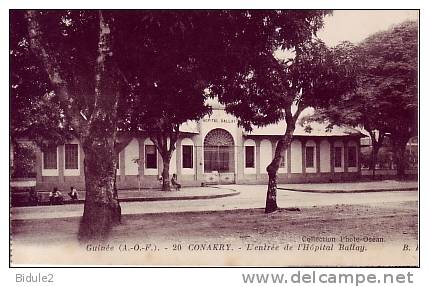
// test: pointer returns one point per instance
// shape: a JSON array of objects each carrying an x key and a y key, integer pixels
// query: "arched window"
[{"x": 218, "y": 151}]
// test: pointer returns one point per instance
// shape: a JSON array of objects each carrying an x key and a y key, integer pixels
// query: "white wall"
[
  {"x": 325, "y": 156},
  {"x": 265, "y": 155},
  {"x": 249, "y": 142},
  {"x": 283, "y": 169},
  {"x": 173, "y": 165},
  {"x": 131, "y": 155},
  {"x": 296, "y": 157}
]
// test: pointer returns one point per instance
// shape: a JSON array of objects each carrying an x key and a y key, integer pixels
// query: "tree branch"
[
  {"x": 52, "y": 68},
  {"x": 120, "y": 145},
  {"x": 173, "y": 138},
  {"x": 300, "y": 108}
]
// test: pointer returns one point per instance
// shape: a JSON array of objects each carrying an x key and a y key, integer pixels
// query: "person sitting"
[
  {"x": 33, "y": 198},
  {"x": 55, "y": 197},
  {"x": 73, "y": 194},
  {"x": 174, "y": 182}
]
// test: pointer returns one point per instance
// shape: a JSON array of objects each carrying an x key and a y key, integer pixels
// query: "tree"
[
  {"x": 385, "y": 101},
  {"x": 24, "y": 161},
  {"x": 186, "y": 52},
  {"x": 391, "y": 72},
  {"x": 165, "y": 71},
  {"x": 264, "y": 90},
  {"x": 36, "y": 114},
  {"x": 357, "y": 109},
  {"x": 75, "y": 50}
]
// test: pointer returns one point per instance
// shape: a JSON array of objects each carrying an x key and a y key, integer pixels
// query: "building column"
[
  {"x": 273, "y": 148},
  {"x": 332, "y": 156},
  {"x": 289, "y": 158},
  {"x": 239, "y": 156},
  {"x": 258, "y": 158},
  {"x": 318, "y": 156},
  {"x": 358, "y": 156},
  {"x": 159, "y": 162},
  {"x": 199, "y": 153},
  {"x": 346, "y": 156},
  {"x": 81, "y": 163},
  {"x": 61, "y": 165},
  {"x": 39, "y": 165},
  {"x": 303, "y": 142},
  {"x": 141, "y": 157},
  {"x": 122, "y": 165},
  {"x": 238, "y": 162},
  {"x": 179, "y": 157}
]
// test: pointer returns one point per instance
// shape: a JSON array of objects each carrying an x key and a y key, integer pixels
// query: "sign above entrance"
[{"x": 225, "y": 121}]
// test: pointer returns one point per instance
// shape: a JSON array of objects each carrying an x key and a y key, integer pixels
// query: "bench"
[
  {"x": 23, "y": 192},
  {"x": 31, "y": 197}
]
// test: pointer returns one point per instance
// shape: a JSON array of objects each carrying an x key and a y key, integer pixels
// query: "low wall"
[{"x": 151, "y": 181}]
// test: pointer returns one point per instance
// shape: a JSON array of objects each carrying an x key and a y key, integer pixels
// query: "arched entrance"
[{"x": 219, "y": 159}]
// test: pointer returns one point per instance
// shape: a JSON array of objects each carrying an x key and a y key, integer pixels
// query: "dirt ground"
[{"x": 389, "y": 226}]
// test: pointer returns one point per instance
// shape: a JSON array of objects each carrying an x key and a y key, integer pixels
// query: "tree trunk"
[
  {"x": 101, "y": 209},
  {"x": 166, "y": 146},
  {"x": 98, "y": 134},
  {"x": 376, "y": 145},
  {"x": 400, "y": 159},
  {"x": 115, "y": 188},
  {"x": 271, "y": 201},
  {"x": 166, "y": 172},
  {"x": 273, "y": 167},
  {"x": 374, "y": 155}
]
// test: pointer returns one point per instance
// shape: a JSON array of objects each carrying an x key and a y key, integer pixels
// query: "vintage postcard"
[{"x": 214, "y": 138}]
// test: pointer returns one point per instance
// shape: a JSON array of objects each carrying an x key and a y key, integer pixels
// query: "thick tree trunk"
[
  {"x": 101, "y": 209},
  {"x": 166, "y": 173},
  {"x": 273, "y": 167},
  {"x": 98, "y": 133}
]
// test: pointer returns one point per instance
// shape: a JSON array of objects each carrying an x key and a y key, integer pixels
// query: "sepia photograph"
[{"x": 214, "y": 138}]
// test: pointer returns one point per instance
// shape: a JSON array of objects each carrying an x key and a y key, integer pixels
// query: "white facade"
[
  {"x": 131, "y": 153},
  {"x": 216, "y": 150}
]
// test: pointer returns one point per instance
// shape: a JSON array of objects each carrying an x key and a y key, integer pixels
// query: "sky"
[{"x": 356, "y": 25}]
